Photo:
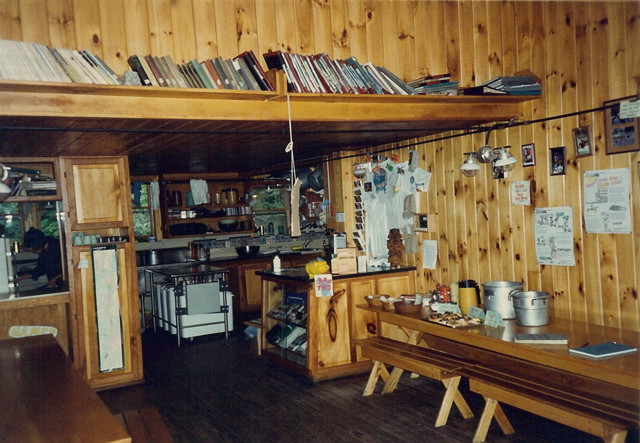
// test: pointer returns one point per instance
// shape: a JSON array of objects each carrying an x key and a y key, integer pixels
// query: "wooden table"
[
  {"x": 487, "y": 342},
  {"x": 46, "y": 399}
]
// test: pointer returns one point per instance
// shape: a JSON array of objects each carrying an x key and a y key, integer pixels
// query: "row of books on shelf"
[
  {"x": 243, "y": 72},
  {"x": 293, "y": 338},
  {"x": 35, "y": 62},
  {"x": 24, "y": 185}
]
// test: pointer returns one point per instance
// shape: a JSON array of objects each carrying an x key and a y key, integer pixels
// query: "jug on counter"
[{"x": 468, "y": 294}]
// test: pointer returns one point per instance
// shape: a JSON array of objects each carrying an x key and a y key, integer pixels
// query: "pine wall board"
[{"x": 584, "y": 52}]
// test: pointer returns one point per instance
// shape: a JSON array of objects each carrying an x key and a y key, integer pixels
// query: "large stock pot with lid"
[{"x": 497, "y": 297}]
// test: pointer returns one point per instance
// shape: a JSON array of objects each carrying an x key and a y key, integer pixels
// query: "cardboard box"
[{"x": 345, "y": 261}]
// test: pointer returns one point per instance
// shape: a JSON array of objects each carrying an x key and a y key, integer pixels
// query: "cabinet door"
[
  {"x": 329, "y": 326},
  {"x": 364, "y": 324},
  {"x": 251, "y": 284},
  {"x": 106, "y": 312},
  {"x": 98, "y": 194}
]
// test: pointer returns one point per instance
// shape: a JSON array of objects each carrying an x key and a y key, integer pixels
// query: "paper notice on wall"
[
  {"x": 630, "y": 109},
  {"x": 521, "y": 193},
  {"x": 607, "y": 201},
  {"x": 323, "y": 285},
  {"x": 429, "y": 254},
  {"x": 553, "y": 229}
]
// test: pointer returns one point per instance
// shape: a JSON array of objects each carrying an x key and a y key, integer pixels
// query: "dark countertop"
[{"x": 299, "y": 275}]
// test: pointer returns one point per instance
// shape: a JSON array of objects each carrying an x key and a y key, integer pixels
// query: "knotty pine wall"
[{"x": 584, "y": 52}]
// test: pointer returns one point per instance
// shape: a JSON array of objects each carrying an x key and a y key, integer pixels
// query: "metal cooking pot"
[
  {"x": 531, "y": 307},
  {"x": 497, "y": 296}
]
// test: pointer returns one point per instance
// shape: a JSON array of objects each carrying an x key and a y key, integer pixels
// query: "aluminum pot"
[
  {"x": 532, "y": 308},
  {"x": 497, "y": 297}
]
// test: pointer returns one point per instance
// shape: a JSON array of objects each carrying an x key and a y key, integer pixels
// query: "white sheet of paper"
[
  {"x": 630, "y": 109},
  {"x": 429, "y": 254}
]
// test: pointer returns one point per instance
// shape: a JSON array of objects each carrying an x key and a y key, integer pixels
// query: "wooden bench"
[
  {"x": 427, "y": 362},
  {"x": 572, "y": 403},
  {"x": 145, "y": 426}
]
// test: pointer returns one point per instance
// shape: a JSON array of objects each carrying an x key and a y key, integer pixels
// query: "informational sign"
[
  {"x": 630, "y": 109},
  {"x": 553, "y": 229},
  {"x": 323, "y": 284},
  {"x": 607, "y": 201},
  {"x": 494, "y": 319},
  {"x": 429, "y": 254},
  {"x": 521, "y": 193}
]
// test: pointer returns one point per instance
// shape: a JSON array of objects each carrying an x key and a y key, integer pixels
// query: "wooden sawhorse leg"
[
  {"x": 452, "y": 396},
  {"x": 492, "y": 409},
  {"x": 378, "y": 370}
]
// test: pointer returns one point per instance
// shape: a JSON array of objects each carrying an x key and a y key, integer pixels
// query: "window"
[
  {"x": 269, "y": 211},
  {"x": 10, "y": 223},
  {"x": 142, "y": 212}
]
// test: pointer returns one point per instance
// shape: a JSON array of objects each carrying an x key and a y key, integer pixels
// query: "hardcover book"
[
  {"x": 541, "y": 339},
  {"x": 602, "y": 350}
]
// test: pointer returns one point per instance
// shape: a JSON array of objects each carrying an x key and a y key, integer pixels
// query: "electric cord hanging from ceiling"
[{"x": 296, "y": 183}]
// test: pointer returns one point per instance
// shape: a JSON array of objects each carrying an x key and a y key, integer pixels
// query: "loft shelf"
[{"x": 176, "y": 130}]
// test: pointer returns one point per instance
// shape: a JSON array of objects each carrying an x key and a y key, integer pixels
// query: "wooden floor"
[{"x": 217, "y": 390}]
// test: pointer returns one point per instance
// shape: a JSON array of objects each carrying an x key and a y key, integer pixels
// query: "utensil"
[{"x": 247, "y": 251}]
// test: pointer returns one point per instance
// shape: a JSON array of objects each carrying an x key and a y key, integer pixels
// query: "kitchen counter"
[{"x": 299, "y": 275}]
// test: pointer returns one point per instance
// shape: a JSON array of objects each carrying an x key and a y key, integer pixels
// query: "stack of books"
[
  {"x": 243, "y": 72},
  {"x": 320, "y": 74},
  {"x": 440, "y": 84},
  {"x": 516, "y": 85},
  {"x": 35, "y": 62}
]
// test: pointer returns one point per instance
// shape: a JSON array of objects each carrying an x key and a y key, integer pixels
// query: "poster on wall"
[
  {"x": 521, "y": 193},
  {"x": 108, "y": 316},
  {"x": 607, "y": 201},
  {"x": 553, "y": 228}
]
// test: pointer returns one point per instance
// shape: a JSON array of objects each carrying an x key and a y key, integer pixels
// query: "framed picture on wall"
[
  {"x": 557, "y": 161},
  {"x": 621, "y": 133},
  {"x": 529, "y": 155},
  {"x": 582, "y": 141}
]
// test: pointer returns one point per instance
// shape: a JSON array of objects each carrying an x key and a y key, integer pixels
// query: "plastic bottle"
[{"x": 276, "y": 264}]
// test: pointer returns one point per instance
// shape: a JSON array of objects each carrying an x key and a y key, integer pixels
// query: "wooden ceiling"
[{"x": 190, "y": 131}]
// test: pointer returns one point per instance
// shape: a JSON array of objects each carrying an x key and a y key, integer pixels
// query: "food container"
[
  {"x": 373, "y": 301},
  {"x": 407, "y": 305},
  {"x": 531, "y": 307},
  {"x": 498, "y": 297}
]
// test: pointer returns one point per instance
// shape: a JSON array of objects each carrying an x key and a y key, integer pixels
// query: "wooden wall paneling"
[
  {"x": 470, "y": 248},
  {"x": 61, "y": 24},
  {"x": 460, "y": 243},
  {"x": 160, "y": 31},
  {"x": 267, "y": 32},
  {"x": 568, "y": 277},
  {"x": 509, "y": 54},
  {"x": 626, "y": 265},
  {"x": 87, "y": 28},
  {"x": 247, "y": 25},
  {"x": 444, "y": 211},
  {"x": 113, "y": 35},
  {"x": 406, "y": 40},
  {"x": 182, "y": 36},
  {"x": 305, "y": 21},
  {"x": 495, "y": 27},
  {"x": 322, "y": 26},
  {"x": 287, "y": 31},
  {"x": 480, "y": 49},
  {"x": 136, "y": 29},
  {"x": 375, "y": 36},
  {"x": 11, "y": 21},
  {"x": 632, "y": 20},
  {"x": 452, "y": 36},
  {"x": 205, "y": 30},
  {"x": 437, "y": 39},
  {"x": 357, "y": 29},
  {"x": 391, "y": 38},
  {"x": 423, "y": 49},
  {"x": 34, "y": 27},
  {"x": 226, "y": 29},
  {"x": 580, "y": 305},
  {"x": 341, "y": 39},
  {"x": 467, "y": 41}
]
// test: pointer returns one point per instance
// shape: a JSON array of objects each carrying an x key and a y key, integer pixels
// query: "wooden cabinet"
[
  {"x": 332, "y": 324},
  {"x": 251, "y": 285},
  {"x": 182, "y": 217},
  {"x": 104, "y": 304},
  {"x": 32, "y": 179}
]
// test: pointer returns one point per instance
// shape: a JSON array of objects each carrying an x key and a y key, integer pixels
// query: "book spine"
[
  {"x": 99, "y": 66},
  {"x": 209, "y": 76},
  {"x": 217, "y": 63},
  {"x": 197, "y": 69},
  {"x": 111, "y": 72},
  {"x": 250, "y": 79},
  {"x": 237, "y": 78},
  {"x": 162, "y": 71},
  {"x": 187, "y": 76},
  {"x": 88, "y": 70},
  {"x": 228, "y": 73},
  {"x": 175, "y": 71},
  {"x": 134, "y": 63},
  {"x": 255, "y": 65},
  {"x": 214, "y": 73},
  {"x": 154, "y": 74},
  {"x": 95, "y": 68},
  {"x": 172, "y": 82}
]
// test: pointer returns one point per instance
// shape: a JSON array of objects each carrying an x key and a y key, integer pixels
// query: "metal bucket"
[
  {"x": 497, "y": 296},
  {"x": 532, "y": 308}
]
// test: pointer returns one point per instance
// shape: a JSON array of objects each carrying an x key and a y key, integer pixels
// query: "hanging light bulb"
[
  {"x": 5, "y": 190},
  {"x": 504, "y": 160},
  {"x": 470, "y": 166}
]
